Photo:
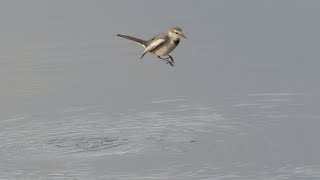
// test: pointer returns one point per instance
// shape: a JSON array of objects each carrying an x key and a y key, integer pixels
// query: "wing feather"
[{"x": 152, "y": 46}]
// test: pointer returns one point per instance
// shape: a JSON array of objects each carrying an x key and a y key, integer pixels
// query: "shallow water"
[{"x": 242, "y": 101}]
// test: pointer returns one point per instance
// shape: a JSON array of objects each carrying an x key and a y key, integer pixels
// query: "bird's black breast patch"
[{"x": 176, "y": 42}]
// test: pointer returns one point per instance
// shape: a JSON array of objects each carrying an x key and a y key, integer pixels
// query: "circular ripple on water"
[
  {"x": 86, "y": 144},
  {"x": 161, "y": 125}
]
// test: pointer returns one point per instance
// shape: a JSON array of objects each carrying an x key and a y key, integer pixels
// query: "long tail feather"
[{"x": 136, "y": 40}]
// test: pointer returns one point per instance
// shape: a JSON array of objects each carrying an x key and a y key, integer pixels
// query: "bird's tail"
[{"x": 136, "y": 40}]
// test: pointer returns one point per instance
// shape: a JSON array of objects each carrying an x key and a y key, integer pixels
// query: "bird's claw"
[{"x": 169, "y": 62}]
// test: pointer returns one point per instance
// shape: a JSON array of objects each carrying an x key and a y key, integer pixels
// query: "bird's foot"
[
  {"x": 166, "y": 59},
  {"x": 169, "y": 62},
  {"x": 171, "y": 58}
]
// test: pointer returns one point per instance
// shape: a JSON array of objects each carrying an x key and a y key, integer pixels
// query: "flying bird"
[{"x": 160, "y": 45}]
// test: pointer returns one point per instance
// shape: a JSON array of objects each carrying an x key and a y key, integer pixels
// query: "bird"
[{"x": 161, "y": 44}]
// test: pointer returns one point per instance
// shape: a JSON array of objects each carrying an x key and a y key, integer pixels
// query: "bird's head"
[{"x": 176, "y": 33}]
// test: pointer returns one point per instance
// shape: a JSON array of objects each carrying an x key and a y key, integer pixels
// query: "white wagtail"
[{"x": 161, "y": 44}]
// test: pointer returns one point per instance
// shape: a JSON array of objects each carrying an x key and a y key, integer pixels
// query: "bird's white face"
[{"x": 176, "y": 34}]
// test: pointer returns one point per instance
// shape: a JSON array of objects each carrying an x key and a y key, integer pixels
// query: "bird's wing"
[
  {"x": 136, "y": 40},
  {"x": 152, "y": 46}
]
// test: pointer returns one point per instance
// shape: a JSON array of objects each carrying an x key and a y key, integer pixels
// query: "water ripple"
[{"x": 95, "y": 130}]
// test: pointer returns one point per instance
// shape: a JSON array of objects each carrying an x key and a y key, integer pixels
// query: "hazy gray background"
[{"x": 242, "y": 101}]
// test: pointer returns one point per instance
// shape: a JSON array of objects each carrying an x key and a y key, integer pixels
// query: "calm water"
[{"x": 242, "y": 101}]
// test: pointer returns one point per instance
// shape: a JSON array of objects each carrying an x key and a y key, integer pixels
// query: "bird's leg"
[
  {"x": 170, "y": 57},
  {"x": 168, "y": 62}
]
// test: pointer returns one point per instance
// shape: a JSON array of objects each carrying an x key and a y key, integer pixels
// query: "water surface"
[{"x": 242, "y": 101}]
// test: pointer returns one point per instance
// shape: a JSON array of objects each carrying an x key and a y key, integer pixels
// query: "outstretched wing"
[{"x": 152, "y": 46}]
